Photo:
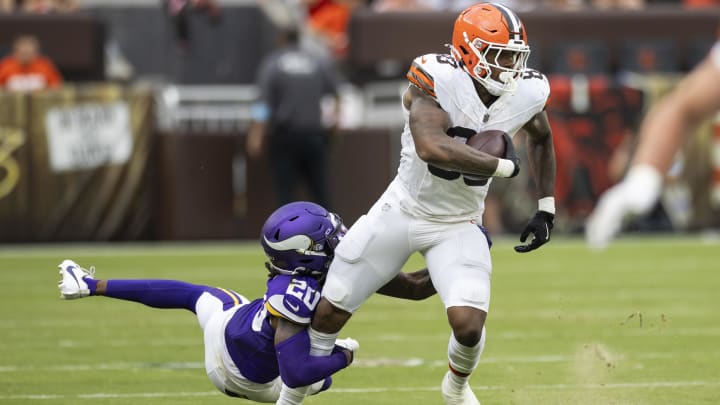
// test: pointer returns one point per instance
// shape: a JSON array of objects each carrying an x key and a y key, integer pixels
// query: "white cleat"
[
  {"x": 452, "y": 396},
  {"x": 72, "y": 285}
]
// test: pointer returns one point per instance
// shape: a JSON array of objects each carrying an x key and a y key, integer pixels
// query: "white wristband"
[
  {"x": 547, "y": 204},
  {"x": 505, "y": 168}
]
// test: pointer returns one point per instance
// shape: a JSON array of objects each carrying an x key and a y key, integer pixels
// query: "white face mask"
[{"x": 507, "y": 78}]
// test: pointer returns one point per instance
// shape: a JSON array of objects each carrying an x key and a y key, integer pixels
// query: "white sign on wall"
[{"x": 87, "y": 136}]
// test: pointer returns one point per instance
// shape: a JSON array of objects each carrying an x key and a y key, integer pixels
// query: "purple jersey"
[{"x": 250, "y": 338}]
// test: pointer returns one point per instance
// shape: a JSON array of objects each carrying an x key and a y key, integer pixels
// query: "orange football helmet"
[{"x": 482, "y": 37}]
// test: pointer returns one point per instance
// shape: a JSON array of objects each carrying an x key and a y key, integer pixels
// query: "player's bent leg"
[
  {"x": 467, "y": 324},
  {"x": 460, "y": 267},
  {"x": 462, "y": 361},
  {"x": 326, "y": 324},
  {"x": 371, "y": 254}
]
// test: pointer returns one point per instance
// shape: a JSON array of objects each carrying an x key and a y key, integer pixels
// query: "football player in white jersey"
[
  {"x": 667, "y": 125},
  {"x": 435, "y": 203}
]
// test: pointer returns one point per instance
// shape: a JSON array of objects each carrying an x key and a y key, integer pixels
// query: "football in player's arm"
[
  {"x": 667, "y": 125},
  {"x": 259, "y": 350}
]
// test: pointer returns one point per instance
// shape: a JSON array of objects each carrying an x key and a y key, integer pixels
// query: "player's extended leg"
[
  {"x": 460, "y": 268},
  {"x": 202, "y": 300},
  {"x": 371, "y": 254},
  {"x": 211, "y": 305},
  {"x": 78, "y": 283}
]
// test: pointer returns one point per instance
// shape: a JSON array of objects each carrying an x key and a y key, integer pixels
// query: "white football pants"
[{"x": 377, "y": 246}]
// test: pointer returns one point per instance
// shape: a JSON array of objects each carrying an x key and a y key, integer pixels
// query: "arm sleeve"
[{"x": 298, "y": 368}]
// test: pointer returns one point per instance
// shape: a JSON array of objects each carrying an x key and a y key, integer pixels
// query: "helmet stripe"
[{"x": 513, "y": 20}]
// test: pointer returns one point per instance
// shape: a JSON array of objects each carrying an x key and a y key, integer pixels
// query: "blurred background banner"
[
  {"x": 80, "y": 165},
  {"x": 145, "y": 137}
]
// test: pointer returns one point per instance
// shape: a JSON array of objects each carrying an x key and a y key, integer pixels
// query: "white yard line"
[
  {"x": 604, "y": 386},
  {"x": 361, "y": 363}
]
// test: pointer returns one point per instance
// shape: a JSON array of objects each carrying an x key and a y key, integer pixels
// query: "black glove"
[
  {"x": 511, "y": 155},
  {"x": 540, "y": 226}
]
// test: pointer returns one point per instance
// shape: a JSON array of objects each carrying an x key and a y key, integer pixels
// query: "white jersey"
[{"x": 446, "y": 196}]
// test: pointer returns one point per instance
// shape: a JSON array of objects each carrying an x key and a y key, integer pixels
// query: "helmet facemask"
[{"x": 491, "y": 57}]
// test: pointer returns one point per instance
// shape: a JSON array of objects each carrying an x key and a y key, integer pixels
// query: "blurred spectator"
[
  {"x": 47, "y": 6},
  {"x": 701, "y": 3},
  {"x": 618, "y": 4},
  {"x": 7, "y": 6},
  {"x": 328, "y": 20},
  {"x": 400, "y": 5},
  {"x": 287, "y": 120},
  {"x": 596, "y": 4},
  {"x": 323, "y": 23},
  {"x": 26, "y": 70},
  {"x": 443, "y": 5}
]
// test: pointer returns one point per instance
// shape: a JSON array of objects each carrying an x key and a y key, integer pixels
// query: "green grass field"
[{"x": 637, "y": 324}]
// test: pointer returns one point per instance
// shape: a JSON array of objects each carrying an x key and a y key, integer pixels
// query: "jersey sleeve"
[
  {"x": 292, "y": 298},
  {"x": 420, "y": 77}
]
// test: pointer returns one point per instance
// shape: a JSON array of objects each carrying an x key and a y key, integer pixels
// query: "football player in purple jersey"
[{"x": 259, "y": 350}]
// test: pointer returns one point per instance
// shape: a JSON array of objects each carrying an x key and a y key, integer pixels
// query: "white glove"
[
  {"x": 348, "y": 343},
  {"x": 635, "y": 195}
]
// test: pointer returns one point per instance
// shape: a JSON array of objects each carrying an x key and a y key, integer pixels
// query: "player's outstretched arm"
[
  {"x": 297, "y": 367},
  {"x": 428, "y": 125},
  {"x": 541, "y": 159},
  {"x": 411, "y": 286}
]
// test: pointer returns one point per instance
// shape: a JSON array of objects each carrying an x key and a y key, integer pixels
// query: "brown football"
[{"x": 490, "y": 142}]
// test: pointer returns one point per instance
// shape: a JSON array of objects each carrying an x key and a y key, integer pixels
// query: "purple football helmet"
[{"x": 300, "y": 238}]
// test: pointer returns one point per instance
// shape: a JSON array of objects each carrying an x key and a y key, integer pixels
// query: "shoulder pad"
[
  {"x": 419, "y": 76},
  {"x": 433, "y": 71}
]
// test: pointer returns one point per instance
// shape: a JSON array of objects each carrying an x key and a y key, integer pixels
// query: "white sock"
[
  {"x": 292, "y": 396},
  {"x": 321, "y": 344},
  {"x": 463, "y": 360}
]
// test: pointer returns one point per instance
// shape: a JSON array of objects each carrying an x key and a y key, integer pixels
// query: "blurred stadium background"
[{"x": 145, "y": 142}]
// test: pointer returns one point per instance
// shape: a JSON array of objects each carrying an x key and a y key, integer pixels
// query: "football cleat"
[
  {"x": 73, "y": 286},
  {"x": 455, "y": 397}
]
